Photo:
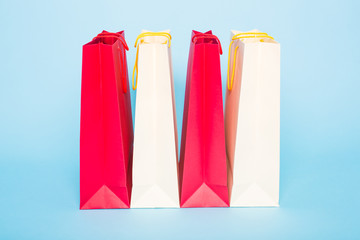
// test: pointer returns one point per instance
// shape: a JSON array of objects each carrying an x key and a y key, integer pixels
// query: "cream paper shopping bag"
[
  {"x": 252, "y": 119},
  {"x": 155, "y": 165}
]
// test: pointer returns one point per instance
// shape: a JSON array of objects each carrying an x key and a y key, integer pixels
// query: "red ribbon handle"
[
  {"x": 113, "y": 35},
  {"x": 206, "y": 35},
  {"x": 122, "y": 60}
]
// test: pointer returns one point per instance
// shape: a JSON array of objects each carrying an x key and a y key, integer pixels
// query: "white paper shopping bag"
[
  {"x": 252, "y": 119},
  {"x": 155, "y": 165}
]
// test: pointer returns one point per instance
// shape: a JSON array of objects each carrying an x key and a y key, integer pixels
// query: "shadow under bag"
[{"x": 106, "y": 130}]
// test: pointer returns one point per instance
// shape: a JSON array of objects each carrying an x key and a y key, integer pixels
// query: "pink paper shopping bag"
[
  {"x": 203, "y": 171},
  {"x": 106, "y": 130}
]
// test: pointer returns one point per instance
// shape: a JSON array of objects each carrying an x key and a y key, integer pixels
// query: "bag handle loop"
[
  {"x": 206, "y": 35},
  {"x": 119, "y": 37},
  {"x": 113, "y": 35},
  {"x": 137, "y": 43},
  {"x": 241, "y": 36}
]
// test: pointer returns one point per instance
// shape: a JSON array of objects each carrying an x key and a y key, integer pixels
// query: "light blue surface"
[{"x": 40, "y": 72}]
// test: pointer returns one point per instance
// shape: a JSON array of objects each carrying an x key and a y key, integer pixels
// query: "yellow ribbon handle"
[
  {"x": 241, "y": 36},
  {"x": 137, "y": 43}
]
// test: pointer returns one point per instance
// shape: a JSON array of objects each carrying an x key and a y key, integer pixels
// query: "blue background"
[{"x": 40, "y": 74}]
